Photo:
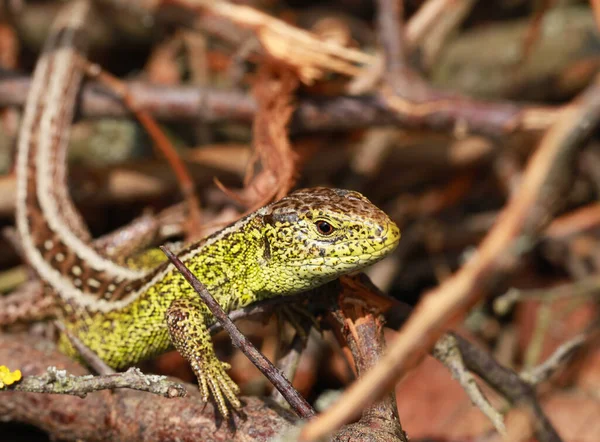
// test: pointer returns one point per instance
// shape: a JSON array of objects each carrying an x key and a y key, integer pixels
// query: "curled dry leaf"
[{"x": 273, "y": 89}]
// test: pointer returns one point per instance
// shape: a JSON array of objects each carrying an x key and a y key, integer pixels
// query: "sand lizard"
[{"x": 126, "y": 314}]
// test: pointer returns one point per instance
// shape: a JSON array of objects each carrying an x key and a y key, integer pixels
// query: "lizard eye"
[{"x": 324, "y": 227}]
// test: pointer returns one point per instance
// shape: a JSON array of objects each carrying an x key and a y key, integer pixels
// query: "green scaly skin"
[{"x": 275, "y": 251}]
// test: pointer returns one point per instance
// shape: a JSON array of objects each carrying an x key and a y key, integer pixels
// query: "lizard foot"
[{"x": 214, "y": 380}]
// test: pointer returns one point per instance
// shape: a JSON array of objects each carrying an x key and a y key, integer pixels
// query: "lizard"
[{"x": 126, "y": 314}]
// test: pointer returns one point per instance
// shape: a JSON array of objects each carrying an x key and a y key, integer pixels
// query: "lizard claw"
[{"x": 214, "y": 380}]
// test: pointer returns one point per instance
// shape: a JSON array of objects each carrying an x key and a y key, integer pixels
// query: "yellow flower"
[{"x": 7, "y": 377}]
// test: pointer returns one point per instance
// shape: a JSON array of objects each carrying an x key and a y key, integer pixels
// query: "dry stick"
[
  {"x": 161, "y": 141},
  {"x": 543, "y": 371},
  {"x": 57, "y": 381},
  {"x": 408, "y": 94},
  {"x": 471, "y": 359},
  {"x": 446, "y": 351},
  {"x": 179, "y": 103},
  {"x": 297, "y": 402},
  {"x": 510, "y": 385},
  {"x": 362, "y": 332},
  {"x": 544, "y": 181},
  {"x": 449, "y": 22},
  {"x": 585, "y": 287}
]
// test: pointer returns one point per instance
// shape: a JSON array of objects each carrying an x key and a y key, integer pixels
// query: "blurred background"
[{"x": 500, "y": 71}]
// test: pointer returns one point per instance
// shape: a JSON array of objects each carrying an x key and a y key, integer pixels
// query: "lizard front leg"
[{"x": 186, "y": 321}]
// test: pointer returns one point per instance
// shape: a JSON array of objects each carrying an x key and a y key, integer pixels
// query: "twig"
[
  {"x": 57, "y": 381},
  {"x": 310, "y": 56},
  {"x": 405, "y": 91},
  {"x": 461, "y": 357},
  {"x": 140, "y": 233},
  {"x": 274, "y": 89},
  {"x": 447, "y": 352},
  {"x": 543, "y": 185},
  {"x": 97, "y": 186},
  {"x": 589, "y": 286},
  {"x": 541, "y": 326},
  {"x": 510, "y": 385},
  {"x": 177, "y": 103},
  {"x": 543, "y": 371},
  {"x": 441, "y": 34},
  {"x": 297, "y": 402}
]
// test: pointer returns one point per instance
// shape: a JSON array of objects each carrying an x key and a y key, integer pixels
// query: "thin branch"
[
  {"x": 57, "y": 381},
  {"x": 294, "y": 398},
  {"x": 543, "y": 371},
  {"x": 447, "y": 352},
  {"x": 585, "y": 287},
  {"x": 188, "y": 103},
  {"x": 360, "y": 328},
  {"x": 510, "y": 385},
  {"x": 534, "y": 29}
]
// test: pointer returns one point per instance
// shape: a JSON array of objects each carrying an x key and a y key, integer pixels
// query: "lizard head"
[{"x": 315, "y": 235}]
